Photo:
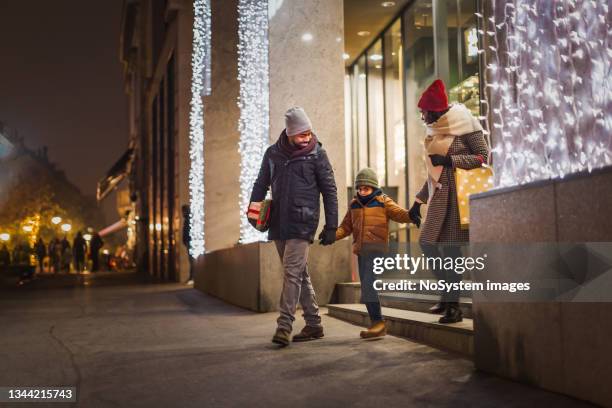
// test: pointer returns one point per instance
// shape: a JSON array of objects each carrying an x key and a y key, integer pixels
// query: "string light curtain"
[
  {"x": 253, "y": 102},
  {"x": 200, "y": 86},
  {"x": 548, "y": 74}
]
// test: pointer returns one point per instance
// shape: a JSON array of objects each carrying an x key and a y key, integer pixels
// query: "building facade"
[{"x": 155, "y": 48}]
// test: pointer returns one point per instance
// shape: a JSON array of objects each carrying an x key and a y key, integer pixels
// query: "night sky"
[{"x": 61, "y": 84}]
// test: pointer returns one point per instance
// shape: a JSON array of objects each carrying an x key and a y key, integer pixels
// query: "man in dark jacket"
[
  {"x": 79, "y": 247},
  {"x": 94, "y": 248},
  {"x": 297, "y": 169},
  {"x": 41, "y": 252}
]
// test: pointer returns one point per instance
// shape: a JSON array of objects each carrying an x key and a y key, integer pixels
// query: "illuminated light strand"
[
  {"x": 548, "y": 121},
  {"x": 200, "y": 86},
  {"x": 253, "y": 101}
]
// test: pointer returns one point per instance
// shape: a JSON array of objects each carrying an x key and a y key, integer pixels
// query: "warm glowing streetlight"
[
  {"x": 28, "y": 228},
  {"x": 66, "y": 227},
  {"x": 5, "y": 237},
  {"x": 56, "y": 220}
]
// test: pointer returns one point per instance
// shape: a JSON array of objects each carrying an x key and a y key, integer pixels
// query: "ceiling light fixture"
[
  {"x": 388, "y": 4},
  {"x": 376, "y": 57},
  {"x": 345, "y": 56},
  {"x": 307, "y": 37},
  {"x": 363, "y": 33}
]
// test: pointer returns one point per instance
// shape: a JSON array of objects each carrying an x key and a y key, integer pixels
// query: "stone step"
[
  {"x": 421, "y": 327},
  {"x": 350, "y": 292}
]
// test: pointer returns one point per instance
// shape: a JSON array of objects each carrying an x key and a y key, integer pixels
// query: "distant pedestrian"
[
  {"x": 5, "y": 258},
  {"x": 187, "y": 239},
  {"x": 55, "y": 254},
  {"x": 95, "y": 245},
  {"x": 41, "y": 252},
  {"x": 66, "y": 252},
  {"x": 79, "y": 248},
  {"x": 21, "y": 261}
]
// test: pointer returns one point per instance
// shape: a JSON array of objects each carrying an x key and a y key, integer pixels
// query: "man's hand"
[
  {"x": 439, "y": 160},
  {"x": 415, "y": 213},
  {"x": 327, "y": 236}
]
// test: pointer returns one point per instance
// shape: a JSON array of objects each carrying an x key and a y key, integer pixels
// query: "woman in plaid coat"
[{"x": 454, "y": 139}]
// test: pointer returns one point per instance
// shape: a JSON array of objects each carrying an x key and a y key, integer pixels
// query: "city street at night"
[{"x": 305, "y": 203}]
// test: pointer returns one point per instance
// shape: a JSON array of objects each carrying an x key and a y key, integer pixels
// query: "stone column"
[
  {"x": 310, "y": 73},
  {"x": 221, "y": 158},
  {"x": 183, "y": 95}
]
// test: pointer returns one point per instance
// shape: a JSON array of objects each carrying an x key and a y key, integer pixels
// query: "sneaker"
[
  {"x": 281, "y": 337},
  {"x": 309, "y": 333},
  {"x": 378, "y": 329}
]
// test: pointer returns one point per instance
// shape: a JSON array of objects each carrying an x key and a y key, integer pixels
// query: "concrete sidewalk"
[{"x": 139, "y": 345}]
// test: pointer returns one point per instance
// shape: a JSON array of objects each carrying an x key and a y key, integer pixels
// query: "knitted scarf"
[
  {"x": 292, "y": 150},
  {"x": 440, "y": 135}
]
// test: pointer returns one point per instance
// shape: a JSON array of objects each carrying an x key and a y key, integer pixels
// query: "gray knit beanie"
[
  {"x": 296, "y": 121},
  {"x": 367, "y": 177}
]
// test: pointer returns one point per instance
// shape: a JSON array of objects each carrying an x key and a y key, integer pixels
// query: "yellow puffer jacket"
[{"x": 369, "y": 223}]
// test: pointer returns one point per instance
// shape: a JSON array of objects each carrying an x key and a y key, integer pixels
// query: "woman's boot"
[{"x": 453, "y": 314}]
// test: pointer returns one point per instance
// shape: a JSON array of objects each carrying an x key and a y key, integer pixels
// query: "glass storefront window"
[
  {"x": 394, "y": 121},
  {"x": 420, "y": 72},
  {"x": 394, "y": 110},
  {"x": 376, "y": 111},
  {"x": 348, "y": 129},
  {"x": 432, "y": 39},
  {"x": 361, "y": 130},
  {"x": 461, "y": 53}
]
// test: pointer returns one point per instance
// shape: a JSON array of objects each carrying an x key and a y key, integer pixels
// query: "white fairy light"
[
  {"x": 200, "y": 86},
  {"x": 547, "y": 78},
  {"x": 253, "y": 101}
]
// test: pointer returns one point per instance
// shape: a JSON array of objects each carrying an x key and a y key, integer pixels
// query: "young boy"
[{"x": 368, "y": 220}]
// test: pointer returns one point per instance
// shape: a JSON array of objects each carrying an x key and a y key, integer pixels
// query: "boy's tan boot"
[{"x": 378, "y": 329}]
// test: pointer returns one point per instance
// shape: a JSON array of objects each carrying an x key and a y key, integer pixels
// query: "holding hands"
[
  {"x": 415, "y": 213},
  {"x": 327, "y": 236}
]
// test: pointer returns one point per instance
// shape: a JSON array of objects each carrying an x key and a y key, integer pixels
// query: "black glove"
[
  {"x": 439, "y": 160},
  {"x": 327, "y": 236},
  {"x": 415, "y": 213}
]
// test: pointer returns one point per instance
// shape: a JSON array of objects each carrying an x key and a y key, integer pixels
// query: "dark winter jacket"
[{"x": 297, "y": 184}]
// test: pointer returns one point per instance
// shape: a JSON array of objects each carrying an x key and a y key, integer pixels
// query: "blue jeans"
[{"x": 369, "y": 296}]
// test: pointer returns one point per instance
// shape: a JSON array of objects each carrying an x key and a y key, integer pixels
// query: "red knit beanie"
[{"x": 434, "y": 98}]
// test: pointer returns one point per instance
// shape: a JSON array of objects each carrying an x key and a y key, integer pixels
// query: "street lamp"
[
  {"x": 56, "y": 220},
  {"x": 66, "y": 227},
  {"x": 5, "y": 237}
]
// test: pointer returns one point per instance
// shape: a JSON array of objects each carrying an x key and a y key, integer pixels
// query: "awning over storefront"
[
  {"x": 116, "y": 174},
  {"x": 118, "y": 226}
]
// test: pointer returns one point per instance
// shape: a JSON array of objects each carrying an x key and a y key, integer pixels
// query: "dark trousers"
[
  {"x": 95, "y": 262},
  {"x": 369, "y": 296},
  {"x": 79, "y": 263},
  {"x": 448, "y": 275}
]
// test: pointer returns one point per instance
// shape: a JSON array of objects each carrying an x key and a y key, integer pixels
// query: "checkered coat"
[{"x": 442, "y": 221}]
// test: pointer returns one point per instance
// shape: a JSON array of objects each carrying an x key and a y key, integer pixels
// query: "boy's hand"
[
  {"x": 415, "y": 213},
  {"x": 327, "y": 236}
]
